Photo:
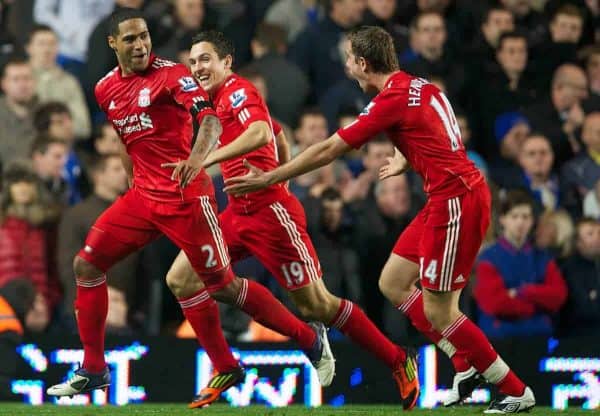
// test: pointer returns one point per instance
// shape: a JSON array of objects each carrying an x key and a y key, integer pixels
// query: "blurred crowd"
[{"x": 524, "y": 80}]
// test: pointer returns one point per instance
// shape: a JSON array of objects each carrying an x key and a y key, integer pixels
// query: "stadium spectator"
[
  {"x": 49, "y": 158},
  {"x": 579, "y": 175},
  {"x": 466, "y": 135},
  {"x": 293, "y": 15},
  {"x": 315, "y": 50},
  {"x": 554, "y": 233},
  {"x": 496, "y": 21},
  {"x": 581, "y": 313},
  {"x": 312, "y": 128},
  {"x": 535, "y": 160},
  {"x": 565, "y": 31},
  {"x": 591, "y": 203},
  {"x": 287, "y": 84},
  {"x": 52, "y": 82},
  {"x": 528, "y": 20},
  {"x": 332, "y": 236},
  {"x": 384, "y": 13},
  {"x": 510, "y": 131},
  {"x": 106, "y": 140},
  {"x": 17, "y": 299},
  {"x": 434, "y": 57},
  {"x": 23, "y": 237},
  {"x": 110, "y": 180},
  {"x": 377, "y": 228},
  {"x": 505, "y": 86},
  {"x": 518, "y": 287},
  {"x": 73, "y": 22},
  {"x": 180, "y": 20},
  {"x": 53, "y": 120},
  {"x": 17, "y": 106},
  {"x": 592, "y": 66},
  {"x": 561, "y": 114}
]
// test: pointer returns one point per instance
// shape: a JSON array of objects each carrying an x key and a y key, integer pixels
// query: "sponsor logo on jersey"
[
  {"x": 238, "y": 97},
  {"x": 144, "y": 97},
  {"x": 366, "y": 110},
  {"x": 188, "y": 84}
]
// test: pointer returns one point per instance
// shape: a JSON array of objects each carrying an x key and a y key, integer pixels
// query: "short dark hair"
[
  {"x": 16, "y": 59},
  {"x": 42, "y": 143},
  {"x": 43, "y": 115},
  {"x": 376, "y": 46},
  {"x": 417, "y": 19},
  {"x": 584, "y": 221},
  {"x": 569, "y": 10},
  {"x": 120, "y": 15},
  {"x": 223, "y": 46},
  {"x": 97, "y": 163},
  {"x": 330, "y": 194},
  {"x": 378, "y": 139},
  {"x": 38, "y": 27},
  {"x": 495, "y": 8},
  {"x": 514, "y": 198},
  {"x": 510, "y": 35},
  {"x": 310, "y": 111}
]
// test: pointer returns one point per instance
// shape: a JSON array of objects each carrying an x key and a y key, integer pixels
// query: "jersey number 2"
[{"x": 448, "y": 119}]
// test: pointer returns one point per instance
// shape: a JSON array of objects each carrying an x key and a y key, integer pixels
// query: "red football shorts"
[
  {"x": 133, "y": 221},
  {"x": 276, "y": 235},
  {"x": 444, "y": 238}
]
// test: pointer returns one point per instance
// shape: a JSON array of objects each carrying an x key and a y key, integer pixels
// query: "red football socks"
[
  {"x": 202, "y": 313},
  {"x": 413, "y": 309},
  {"x": 467, "y": 337},
  {"x": 260, "y": 304},
  {"x": 353, "y": 323},
  {"x": 91, "y": 308}
]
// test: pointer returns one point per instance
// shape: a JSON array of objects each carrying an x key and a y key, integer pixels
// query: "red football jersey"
[
  {"x": 238, "y": 104},
  {"x": 418, "y": 118},
  {"x": 152, "y": 114}
]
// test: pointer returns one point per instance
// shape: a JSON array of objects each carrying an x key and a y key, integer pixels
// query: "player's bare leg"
[
  {"x": 202, "y": 313},
  {"x": 91, "y": 307},
  {"x": 442, "y": 310},
  {"x": 397, "y": 283},
  {"x": 316, "y": 303}
]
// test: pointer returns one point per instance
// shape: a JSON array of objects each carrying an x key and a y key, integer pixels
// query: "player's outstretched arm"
[
  {"x": 313, "y": 157},
  {"x": 395, "y": 165},
  {"x": 256, "y": 135},
  {"x": 208, "y": 134}
]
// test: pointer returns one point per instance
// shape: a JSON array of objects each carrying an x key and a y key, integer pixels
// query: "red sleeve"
[
  {"x": 549, "y": 295},
  {"x": 246, "y": 105},
  {"x": 378, "y": 115},
  {"x": 185, "y": 91},
  {"x": 492, "y": 296},
  {"x": 276, "y": 127}
]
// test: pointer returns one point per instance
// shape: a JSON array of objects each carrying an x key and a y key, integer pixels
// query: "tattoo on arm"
[{"x": 208, "y": 134}]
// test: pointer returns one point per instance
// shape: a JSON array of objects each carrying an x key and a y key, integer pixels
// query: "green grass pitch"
[{"x": 170, "y": 409}]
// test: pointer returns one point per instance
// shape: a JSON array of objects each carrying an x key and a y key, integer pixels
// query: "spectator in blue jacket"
[{"x": 518, "y": 286}]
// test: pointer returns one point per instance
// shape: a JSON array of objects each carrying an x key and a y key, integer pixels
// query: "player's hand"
[
  {"x": 184, "y": 170},
  {"x": 396, "y": 165},
  {"x": 254, "y": 180}
]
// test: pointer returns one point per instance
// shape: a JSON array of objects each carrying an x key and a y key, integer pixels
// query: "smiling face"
[
  {"x": 208, "y": 68},
  {"x": 132, "y": 45}
]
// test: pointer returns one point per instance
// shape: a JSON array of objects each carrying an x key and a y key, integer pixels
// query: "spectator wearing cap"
[{"x": 510, "y": 131}]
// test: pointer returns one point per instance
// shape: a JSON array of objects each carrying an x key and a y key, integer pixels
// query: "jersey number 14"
[{"x": 448, "y": 119}]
